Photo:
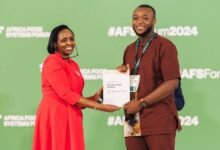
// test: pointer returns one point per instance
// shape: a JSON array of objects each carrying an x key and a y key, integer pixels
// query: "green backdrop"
[{"x": 103, "y": 31}]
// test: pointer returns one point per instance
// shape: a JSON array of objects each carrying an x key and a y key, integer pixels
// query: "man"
[{"x": 154, "y": 58}]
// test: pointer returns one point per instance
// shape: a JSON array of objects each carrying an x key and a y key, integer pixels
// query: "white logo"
[
  {"x": 18, "y": 120},
  {"x": 41, "y": 66},
  {"x": 26, "y": 32},
  {"x": 1, "y": 29},
  {"x": 200, "y": 73},
  {"x": 184, "y": 120},
  {"x": 92, "y": 74},
  {"x": 123, "y": 31}
]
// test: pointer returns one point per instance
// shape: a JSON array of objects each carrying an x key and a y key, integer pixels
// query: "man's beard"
[{"x": 145, "y": 33}]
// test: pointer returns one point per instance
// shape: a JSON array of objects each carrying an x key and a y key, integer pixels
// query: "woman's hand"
[
  {"x": 107, "y": 107},
  {"x": 96, "y": 96}
]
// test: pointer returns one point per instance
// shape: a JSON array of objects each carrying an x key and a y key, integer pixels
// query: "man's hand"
[
  {"x": 123, "y": 68},
  {"x": 132, "y": 107}
]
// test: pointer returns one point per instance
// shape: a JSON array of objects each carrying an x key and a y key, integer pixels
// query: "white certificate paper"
[{"x": 116, "y": 87}]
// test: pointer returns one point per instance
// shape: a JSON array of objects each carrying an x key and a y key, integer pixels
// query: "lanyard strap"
[{"x": 137, "y": 62}]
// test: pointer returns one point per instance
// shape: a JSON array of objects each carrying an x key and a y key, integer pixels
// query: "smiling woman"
[
  {"x": 65, "y": 43},
  {"x": 59, "y": 117}
]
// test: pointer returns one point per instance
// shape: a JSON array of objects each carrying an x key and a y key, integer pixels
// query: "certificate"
[{"x": 116, "y": 87}]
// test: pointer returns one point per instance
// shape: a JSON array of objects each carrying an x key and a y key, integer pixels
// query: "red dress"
[{"x": 58, "y": 123}]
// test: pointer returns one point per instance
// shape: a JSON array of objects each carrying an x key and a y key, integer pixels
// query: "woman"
[{"x": 59, "y": 118}]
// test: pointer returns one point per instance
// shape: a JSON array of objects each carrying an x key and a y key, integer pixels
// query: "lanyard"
[{"x": 137, "y": 62}]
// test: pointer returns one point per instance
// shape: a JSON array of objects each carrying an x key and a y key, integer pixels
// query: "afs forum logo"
[{"x": 183, "y": 30}]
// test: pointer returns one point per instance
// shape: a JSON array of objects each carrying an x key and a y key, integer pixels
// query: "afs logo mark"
[{"x": 1, "y": 29}]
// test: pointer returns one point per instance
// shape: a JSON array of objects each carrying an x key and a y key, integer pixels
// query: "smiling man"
[{"x": 151, "y": 112}]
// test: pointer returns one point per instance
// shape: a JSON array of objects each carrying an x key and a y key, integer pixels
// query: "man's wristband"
[{"x": 143, "y": 104}]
